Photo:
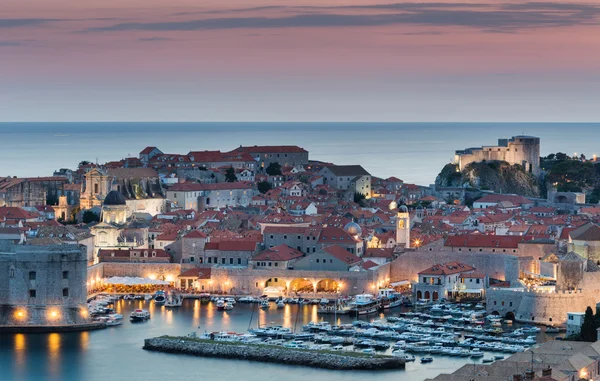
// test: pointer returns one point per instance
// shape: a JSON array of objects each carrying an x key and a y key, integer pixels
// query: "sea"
[
  {"x": 116, "y": 353},
  {"x": 413, "y": 152}
]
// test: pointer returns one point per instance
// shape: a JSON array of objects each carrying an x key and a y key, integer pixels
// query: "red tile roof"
[
  {"x": 379, "y": 253},
  {"x": 342, "y": 254},
  {"x": 447, "y": 268},
  {"x": 369, "y": 265},
  {"x": 271, "y": 149},
  {"x": 147, "y": 150},
  {"x": 278, "y": 253},
  {"x": 195, "y": 234}
]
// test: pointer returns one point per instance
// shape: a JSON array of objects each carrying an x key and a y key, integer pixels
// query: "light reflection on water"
[{"x": 116, "y": 353}]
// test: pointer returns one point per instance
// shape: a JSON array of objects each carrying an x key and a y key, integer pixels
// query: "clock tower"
[{"x": 403, "y": 227}]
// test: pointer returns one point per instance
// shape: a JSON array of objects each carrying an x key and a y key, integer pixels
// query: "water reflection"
[{"x": 54, "y": 353}]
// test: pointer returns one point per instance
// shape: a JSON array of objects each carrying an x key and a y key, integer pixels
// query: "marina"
[{"x": 65, "y": 356}]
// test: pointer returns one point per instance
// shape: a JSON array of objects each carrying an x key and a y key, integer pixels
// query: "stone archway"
[
  {"x": 275, "y": 282},
  {"x": 510, "y": 316},
  {"x": 301, "y": 285},
  {"x": 327, "y": 285},
  {"x": 427, "y": 295},
  {"x": 435, "y": 296},
  {"x": 419, "y": 295}
]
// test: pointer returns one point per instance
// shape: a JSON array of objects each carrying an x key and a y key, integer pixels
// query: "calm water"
[
  {"x": 414, "y": 152},
  {"x": 115, "y": 353}
]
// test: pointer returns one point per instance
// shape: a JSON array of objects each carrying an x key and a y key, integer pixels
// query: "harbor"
[{"x": 69, "y": 355}]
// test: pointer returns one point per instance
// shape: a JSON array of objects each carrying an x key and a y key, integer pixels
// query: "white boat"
[
  {"x": 476, "y": 353},
  {"x": 115, "y": 317},
  {"x": 280, "y": 304},
  {"x": 265, "y": 304},
  {"x": 403, "y": 356},
  {"x": 368, "y": 350},
  {"x": 147, "y": 297},
  {"x": 139, "y": 315},
  {"x": 552, "y": 330},
  {"x": 337, "y": 347},
  {"x": 113, "y": 322},
  {"x": 230, "y": 301},
  {"x": 174, "y": 301}
]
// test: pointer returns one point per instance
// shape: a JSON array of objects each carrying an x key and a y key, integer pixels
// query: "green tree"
[
  {"x": 274, "y": 169},
  {"x": 230, "y": 176},
  {"x": 588, "y": 328},
  {"x": 359, "y": 198},
  {"x": 263, "y": 186},
  {"x": 560, "y": 156},
  {"x": 89, "y": 216},
  {"x": 84, "y": 162}
]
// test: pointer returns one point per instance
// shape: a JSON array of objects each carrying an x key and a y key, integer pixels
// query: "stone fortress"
[
  {"x": 577, "y": 276},
  {"x": 43, "y": 287},
  {"x": 522, "y": 150}
]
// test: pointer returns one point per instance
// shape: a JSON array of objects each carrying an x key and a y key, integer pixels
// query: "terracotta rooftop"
[
  {"x": 587, "y": 232},
  {"x": 342, "y": 254},
  {"x": 278, "y": 253},
  {"x": 447, "y": 268}
]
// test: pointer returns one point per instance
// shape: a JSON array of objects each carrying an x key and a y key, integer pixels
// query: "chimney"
[
  {"x": 547, "y": 372},
  {"x": 529, "y": 375},
  {"x": 517, "y": 377}
]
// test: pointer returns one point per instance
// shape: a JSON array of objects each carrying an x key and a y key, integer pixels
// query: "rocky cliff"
[{"x": 498, "y": 176}]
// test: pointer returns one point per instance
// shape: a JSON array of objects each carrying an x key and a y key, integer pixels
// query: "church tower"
[{"x": 403, "y": 227}]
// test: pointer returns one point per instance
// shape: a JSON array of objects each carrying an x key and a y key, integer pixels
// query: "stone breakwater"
[{"x": 273, "y": 354}]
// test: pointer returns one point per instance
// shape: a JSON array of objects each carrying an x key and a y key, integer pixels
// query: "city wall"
[
  {"x": 498, "y": 266},
  {"x": 539, "y": 307}
]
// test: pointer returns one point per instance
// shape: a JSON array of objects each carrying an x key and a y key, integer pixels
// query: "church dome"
[
  {"x": 114, "y": 198},
  {"x": 393, "y": 205},
  {"x": 403, "y": 209},
  {"x": 353, "y": 228}
]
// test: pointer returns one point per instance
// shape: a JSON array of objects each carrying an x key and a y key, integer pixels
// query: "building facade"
[{"x": 43, "y": 285}]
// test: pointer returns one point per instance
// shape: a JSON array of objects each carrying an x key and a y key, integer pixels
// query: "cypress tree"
[{"x": 588, "y": 328}]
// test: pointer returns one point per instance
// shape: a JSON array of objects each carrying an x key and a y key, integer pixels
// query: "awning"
[
  {"x": 400, "y": 283},
  {"x": 134, "y": 281}
]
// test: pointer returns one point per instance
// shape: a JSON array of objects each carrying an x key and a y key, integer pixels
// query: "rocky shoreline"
[{"x": 267, "y": 353}]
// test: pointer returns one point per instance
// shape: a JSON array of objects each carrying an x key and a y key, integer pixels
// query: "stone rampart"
[
  {"x": 539, "y": 307},
  {"x": 498, "y": 266}
]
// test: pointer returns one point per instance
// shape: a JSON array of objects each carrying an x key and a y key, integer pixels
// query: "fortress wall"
[
  {"x": 170, "y": 271},
  {"x": 499, "y": 266},
  {"x": 536, "y": 307}
]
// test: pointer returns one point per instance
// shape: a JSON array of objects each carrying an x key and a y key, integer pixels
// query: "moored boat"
[{"x": 139, "y": 315}]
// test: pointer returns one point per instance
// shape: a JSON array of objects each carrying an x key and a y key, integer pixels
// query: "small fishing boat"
[
  {"x": 265, "y": 304},
  {"x": 280, "y": 304},
  {"x": 487, "y": 360},
  {"x": 425, "y": 360},
  {"x": 174, "y": 301},
  {"x": 552, "y": 330}
]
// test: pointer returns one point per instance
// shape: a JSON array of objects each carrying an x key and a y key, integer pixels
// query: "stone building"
[
  {"x": 140, "y": 187},
  {"x": 134, "y": 256},
  {"x": 349, "y": 179},
  {"x": 34, "y": 191},
  {"x": 522, "y": 150},
  {"x": 229, "y": 253},
  {"x": 585, "y": 241},
  {"x": 284, "y": 155},
  {"x": 278, "y": 257},
  {"x": 329, "y": 258},
  {"x": 403, "y": 227},
  {"x": 43, "y": 285},
  {"x": 448, "y": 281},
  {"x": 210, "y": 196}
]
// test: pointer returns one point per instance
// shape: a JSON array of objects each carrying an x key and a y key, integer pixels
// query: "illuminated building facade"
[{"x": 43, "y": 285}]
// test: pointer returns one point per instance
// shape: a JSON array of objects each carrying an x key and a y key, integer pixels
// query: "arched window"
[{"x": 11, "y": 272}]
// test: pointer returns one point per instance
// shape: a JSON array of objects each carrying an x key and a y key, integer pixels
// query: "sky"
[{"x": 301, "y": 60}]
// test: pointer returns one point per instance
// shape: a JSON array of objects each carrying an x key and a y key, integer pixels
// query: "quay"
[{"x": 269, "y": 353}]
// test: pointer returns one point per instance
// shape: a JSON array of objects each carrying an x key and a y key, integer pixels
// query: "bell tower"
[{"x": 403, "y": 227}]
